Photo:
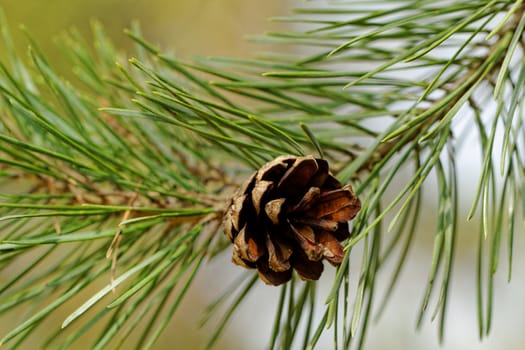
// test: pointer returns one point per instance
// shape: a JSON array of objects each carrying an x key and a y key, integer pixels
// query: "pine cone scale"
[
  {"x": 237, "y": 259},
  {"x": 274, "y": 209},
  {"x": 306, "y": 269},
  {"x": 343, "y": 214},
  {"x": 331, "y": 202},
  {"x": 237, "y": 220},
  {"x": 308, "y": 200},
  {"x": 305, "y": 238},
  {"x": 260, "y": 192},
  {"x": 279, "y": 255},
  {"x": 332, "y": 250},
  {"x": 272, "y": 277},
  {"x": 298, "y": 176},
  {"x": 246, "y": 243},
  {"x": 274, "y": 170},
  {"x": 342, "y": 231},
  {"x": 321, "y": 175},
  {"x": 322, "y": 224}
]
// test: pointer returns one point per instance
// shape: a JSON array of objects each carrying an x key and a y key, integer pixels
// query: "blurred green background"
[
  {"x": 219, "y": 27},
  {"x": 198, "y": 27}
]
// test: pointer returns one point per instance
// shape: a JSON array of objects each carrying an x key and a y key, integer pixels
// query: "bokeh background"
[{"x": 219, "y": 27}]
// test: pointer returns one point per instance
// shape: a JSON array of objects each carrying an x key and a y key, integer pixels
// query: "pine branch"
[{"x": 138, "y": 161}]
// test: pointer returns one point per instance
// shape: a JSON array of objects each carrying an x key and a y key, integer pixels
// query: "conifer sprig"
[{"x": 136, "y": 162}]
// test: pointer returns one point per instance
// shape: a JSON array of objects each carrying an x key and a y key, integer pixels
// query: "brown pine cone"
[{"x": 290, "y": 214}]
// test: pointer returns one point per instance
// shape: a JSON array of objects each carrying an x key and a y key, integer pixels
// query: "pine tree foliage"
[{"x": 126, "y": 173}]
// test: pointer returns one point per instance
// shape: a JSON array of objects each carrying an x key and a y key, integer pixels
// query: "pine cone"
[{"x": 291, "y": 214}]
